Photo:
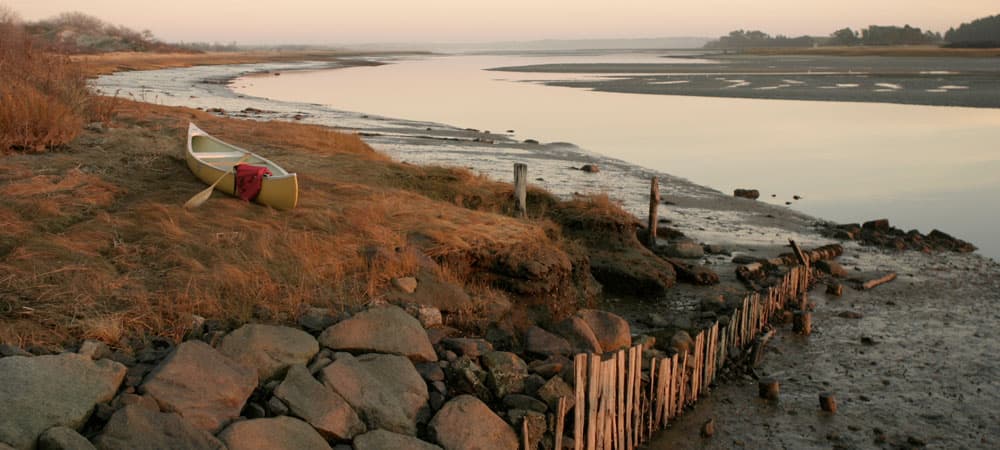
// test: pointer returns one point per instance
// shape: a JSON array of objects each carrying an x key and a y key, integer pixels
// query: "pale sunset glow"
[{"x": 345, "y": 22}]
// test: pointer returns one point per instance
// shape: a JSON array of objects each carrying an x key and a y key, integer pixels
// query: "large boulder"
[
  {"x": 202, "y": 385},
  {"x": 683, "y": 249},
  {"x": 135, "y": 427},
  {"x": 38, "y": 393},
  {"x": 387, "y": 440},
  {"x": 505, "y": 373},
  {"x": 579, "y": 335},
  {"x": 386, "y": 390},
  {"x": 383, "y": 329},
  {"x": 62, "y": 438},
  {"x": 324, "y": 409},
  {"x": 277, "y": 433},
  {"x": 611, "y": 330},
  {"x": 540, "y": 342},
  {"x": 466, "y": 423},
  {"x": 269, "y": 349}
]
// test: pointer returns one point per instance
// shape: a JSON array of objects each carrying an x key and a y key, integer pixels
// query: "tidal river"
[{"x": 922, "y": 167}]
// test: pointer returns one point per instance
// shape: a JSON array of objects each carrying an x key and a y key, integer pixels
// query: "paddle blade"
[{"x": 199, "y": 198}]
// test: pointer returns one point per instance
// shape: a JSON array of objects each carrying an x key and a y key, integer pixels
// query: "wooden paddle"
[{"x": 203, "y": 196}]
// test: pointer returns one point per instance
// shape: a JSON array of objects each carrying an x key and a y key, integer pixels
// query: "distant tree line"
[
  {"x": 741, "y": 39},
  {"x": 980, "y": 33},
  {"x": 76, "y": 32},
  {"x": 884, "y": 35}
]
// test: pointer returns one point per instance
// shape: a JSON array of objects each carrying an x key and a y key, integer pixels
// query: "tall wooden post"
[
  {"x": 521, "y": 188},
  {"x": 654, "y": 203}
]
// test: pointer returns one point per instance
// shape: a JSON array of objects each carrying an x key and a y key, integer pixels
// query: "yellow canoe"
[{"x": 209, "y": 158}]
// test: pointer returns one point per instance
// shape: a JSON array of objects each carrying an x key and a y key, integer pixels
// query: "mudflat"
[{"x": 915, "y": 80}]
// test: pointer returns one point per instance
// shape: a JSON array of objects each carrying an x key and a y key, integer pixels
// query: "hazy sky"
[{"x": 355, "y": 21}]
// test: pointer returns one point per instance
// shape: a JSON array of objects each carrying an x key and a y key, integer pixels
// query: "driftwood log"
[
  {"x": 756, "y": 270},
  {"x": 871, "y": 284}
]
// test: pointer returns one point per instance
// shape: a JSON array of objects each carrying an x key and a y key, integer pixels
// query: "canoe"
[{"x": 209, "y": 158}]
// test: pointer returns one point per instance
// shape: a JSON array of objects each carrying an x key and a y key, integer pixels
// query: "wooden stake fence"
[{"x": 617, "y": 409}]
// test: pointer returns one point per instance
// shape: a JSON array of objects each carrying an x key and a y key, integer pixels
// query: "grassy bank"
[
  {"x": 105, "y": 63},
  {"x": 914, "y": 50}
]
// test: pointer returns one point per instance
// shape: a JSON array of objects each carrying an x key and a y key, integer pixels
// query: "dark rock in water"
[
  {"x": 796, "y": 197},
  {"x": 850, "y": 315},
  {"x": 878, "y": 225},
  {"x": 590, "y": 168},
  {"x": 744, "y": 259},
  {"x": 788, "y": 203},
  {"x": 531, "y": 141},
  {"x": 714, "y": 249},
  {"x": 751, "y": 194}
]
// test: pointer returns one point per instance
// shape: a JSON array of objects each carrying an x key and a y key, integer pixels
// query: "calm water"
[{"x": 922, "y": 167}]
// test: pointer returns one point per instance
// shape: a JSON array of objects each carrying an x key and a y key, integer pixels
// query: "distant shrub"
[{"x": 43, "y": 95}]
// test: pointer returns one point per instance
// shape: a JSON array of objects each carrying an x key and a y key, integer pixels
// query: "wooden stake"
[
  {"x": 654, "y": 203},
  {"x": 609, "y": 402},
  {"x": 593, "y": 383},
  {"x": 580, "y": 365},
  {"x": 652, "y": 396},
  {"x": 768, "y": 388},
  {"x": 560, "y": 423},
  {"x": 629, "y": 399},
  {"x": 524, "y": 433},
  {"x": 802, "y": 323},
  {"x": 620, "y": 399},
  {"x": 827, "y": 402},
  {"x": 521, "y": 188}
]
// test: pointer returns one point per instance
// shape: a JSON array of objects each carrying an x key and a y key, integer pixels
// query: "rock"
[
  {"x": 682, "y": 342},
  {"x": 432, "y": 290},
  {"x": 428, "y": 316},
  {"x": 551, "y": 366},
  {"x": 683, "y": 249},
  {"x": 501, "y": 336},
  {"x": 611, "y": 330},
  {"x": 405, "y": 284},
  {"x": 41, "y": 392},
  {"x": 876, "y": 225},
  {"x": 385, "y": 390},
  {"x": 94, "y": 349},
  {"x": 278, "y": 433},
  {"x": 202, "y": 385},
  {"x": 540, "y": 342},
  {"x": 134, "y": 427},
  {"x": 315, "y": 320},
  {"x": 62, "y": 438},
  {"x": 832, "y": 267},
  {"x": 835, "y": 289},
  {"x": 382, "y": 329},
  {"x": 850, "y": 315},
  {"x": 430, "y": 371},
  {"x": 11, "y": 350},
  {"x": 580, "y": 336},
  {"x": 505, "y": 373},
  {"x": 646, "y": 341},
  {"x": 751, "y": 194},
  {"x": 451, "y": 428},
  {"x": 708, "y": 428},
  {"x": 534, "y": 382},
  {"x": 437, "y": 334},
  {"x": 269, "y": 349},
  {"x": 387, "y": 440},
  {"x": 521, "y": 401},
  {"x": 714, "y": 249},
  {"x": 277, "y": 407},
  {"x": 470, "y": 347},
  {"x": 536, "y": 424},
  {"x": 322, "y": 408},
  {"x": 553, "y": 390},
  {"x": 465, "y": 376},
  {"x": 126, "y": 399},
  {"x": 590, "y": 168}
]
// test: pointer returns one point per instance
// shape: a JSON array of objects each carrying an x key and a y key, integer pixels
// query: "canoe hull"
[{"x": 280, "y": 192}]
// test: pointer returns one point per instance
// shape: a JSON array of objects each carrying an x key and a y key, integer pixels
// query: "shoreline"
[{"x": 697, "y": 207}]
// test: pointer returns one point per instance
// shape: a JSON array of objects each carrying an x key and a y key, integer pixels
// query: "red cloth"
[{"x": 249, "y": 179}]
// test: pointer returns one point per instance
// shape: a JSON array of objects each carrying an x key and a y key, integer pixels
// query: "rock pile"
[
  {"x": 374, "y": 380},
  {"x": 880, "y": 234}
]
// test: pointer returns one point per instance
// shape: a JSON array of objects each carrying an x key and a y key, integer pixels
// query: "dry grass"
[
  {"x": 43, "y": 96},
  {"x": 105, "y": 63},
  {"x": 95, "y": 244},
  {"x": 907, "y": 50}
]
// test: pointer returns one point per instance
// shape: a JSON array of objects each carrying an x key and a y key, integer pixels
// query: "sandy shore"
[
  {"x": 924, "y": 80},
  {"x": 933, "y": 328}
]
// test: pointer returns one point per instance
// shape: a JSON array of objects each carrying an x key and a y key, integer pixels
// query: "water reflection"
[{"x": 922, "y": 167}]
